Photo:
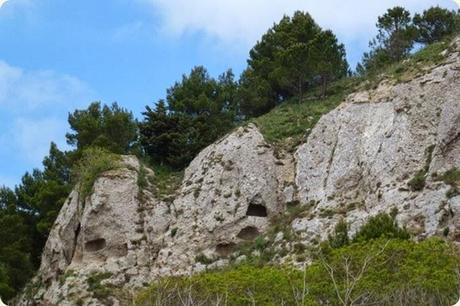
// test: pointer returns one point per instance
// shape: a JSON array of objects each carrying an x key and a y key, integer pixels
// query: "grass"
[
  {"x": 417, "y": 183},
  {"x": 452, "y": 178},
  {"x": 289, "y": 124},
  {"x": 94, "y": 162},
  {"x": 407, "y": 69},
  {"x": 166, "y": 182},
  {"x": 99, "y": 291}
]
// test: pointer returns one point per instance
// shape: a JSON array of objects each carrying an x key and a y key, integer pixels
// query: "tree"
[
  {"x": 197, "y": 111},
  {"x": 295, "y": 72},
  {"x": 395, "y": 39},
  {"x": 272, "y": 60},
  {"x": 109, "y": 127},
  {"x": 163, "y": 136},
  {"x": 15, "y": 247},
  {"x": 434, "y": 24},
  {"x": 329, "y": 58},
  {"x": 283, "y": 64},
  {"x": 396, "y": 33},
  {"x": 340, "y": 236}
]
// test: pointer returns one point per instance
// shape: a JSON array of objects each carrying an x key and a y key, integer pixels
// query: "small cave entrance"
[
  {"x": 248, "y": 233},
  {"x": 256, "y": 210},
  {"x": 95, "y": 245},
  {"x": 225, "y": 249}
]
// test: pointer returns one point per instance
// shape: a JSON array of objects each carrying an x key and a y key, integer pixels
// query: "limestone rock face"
[
  {"x": 123, "y": 237},
  {"x": 360, "y": 157},
  {"x": 229, "y": 193},
  {"x": 357, "y": 161},
  {"x": 107, "y": 235}
]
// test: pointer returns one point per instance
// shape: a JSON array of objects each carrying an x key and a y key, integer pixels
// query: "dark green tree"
[
  {"x": 395, "y": 39},
  {"x": 396, "y": 33},
  {"x": 434, "y": 24},
  {"x": 281, "y": 51},
  {"x": 197, "y": 111},
  {"x": 340, "y": 236},
  {"x": 163, "y": 136},
  {"x": 110, "y": 127},
  {"x": 329, "y": 59},
  {"x": 283, "y": 64},
  {"x": 16, "y": 245}
]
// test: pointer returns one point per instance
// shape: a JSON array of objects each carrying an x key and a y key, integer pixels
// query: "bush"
[
  {"x": 381, "y": 272},
  {"x": 243, "y": 285},
  {"x": 386, "y": 272},
  {"x": 417, "y": 183},
  {"x": 94, "y": 162},
  {"x": 381, "y": 225},
  {"x": 340, "y": 237}
]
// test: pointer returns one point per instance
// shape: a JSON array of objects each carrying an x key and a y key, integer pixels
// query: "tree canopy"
[
  {"x": 197, "y": 111},
  {"x": 290, "y": 58},
  {"x": 111, "y": 127}
]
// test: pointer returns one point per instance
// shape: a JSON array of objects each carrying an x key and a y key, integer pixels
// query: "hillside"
[{"x": 284, "y": 181}]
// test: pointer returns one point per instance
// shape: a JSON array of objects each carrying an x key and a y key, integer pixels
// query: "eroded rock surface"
[
  {"x": 360, "y": 157},
  {"x": 358, "y": 161}
]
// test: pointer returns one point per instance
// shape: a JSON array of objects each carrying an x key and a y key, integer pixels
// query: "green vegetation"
[
  {"x": 199, "y": 110},
  {"x": 380, "y": 272},
  {"x": 417, "y": 183},
  {"x": 381, "y": 225},
  {"x": 398, "y": 32},
  {"x": 94, "y": 162},
  {"x": 166, "y": 182},
  {"x": 294, "y": 56},
  {"x": 101, "y": 292},
  {"x": 434, "y": 24},
  {"x": 340, "y": 236},
  {"x": 296, "y": 73},
  {"x": 452, "y": 178},
  {"x": 290, "y": 123},
  {"x": 110, "y": 127}
]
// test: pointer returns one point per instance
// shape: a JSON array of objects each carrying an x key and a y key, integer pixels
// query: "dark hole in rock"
[
  {"x": 225, "y": 249},
  {"x": 248, "y": 233},
  {"x": 256, "y": 210},
  {"x": 95, "y": 245}
]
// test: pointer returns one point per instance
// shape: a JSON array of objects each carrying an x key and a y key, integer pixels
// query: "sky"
[{"x": 60, "y": 55}]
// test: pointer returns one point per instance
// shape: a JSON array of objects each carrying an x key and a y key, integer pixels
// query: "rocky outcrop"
[
  {"x": 122, "y": 236},
  {"x": 359, "y": 160},
  {"x": 229, "y": 193}
]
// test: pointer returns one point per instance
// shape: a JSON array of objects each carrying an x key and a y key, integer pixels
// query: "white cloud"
[
  {"x": 33, "y": 110},
  {"x": 242, "y": 22},
  {"x": 28, "y": 90}
]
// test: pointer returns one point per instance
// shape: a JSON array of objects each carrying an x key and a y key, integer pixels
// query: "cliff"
[{"x": 383, "y": 149}]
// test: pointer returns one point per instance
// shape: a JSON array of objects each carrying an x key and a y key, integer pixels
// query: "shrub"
[
  {"x": 452, "y": 178},
  {"x": 94, "y": 162},
  {"x": 380, "y": 272},
  {"x": 243, "y": 285},
  {"x": 386, "y": 272},
  {"x": 381, "y": 225},
  {"x": 340, "y": 237},
  {"x": 417, "y": 183},
  {"x": 99, "y": 291}
]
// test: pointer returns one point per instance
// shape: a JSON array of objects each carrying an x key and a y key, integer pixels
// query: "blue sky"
[{"x": 59, "y": 55}]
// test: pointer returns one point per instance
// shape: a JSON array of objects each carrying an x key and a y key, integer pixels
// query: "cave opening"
[
  {"x": 95, "y": 245},
  {"x": 256, "y": 210},
  {"x": 248, "y": 233}
]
